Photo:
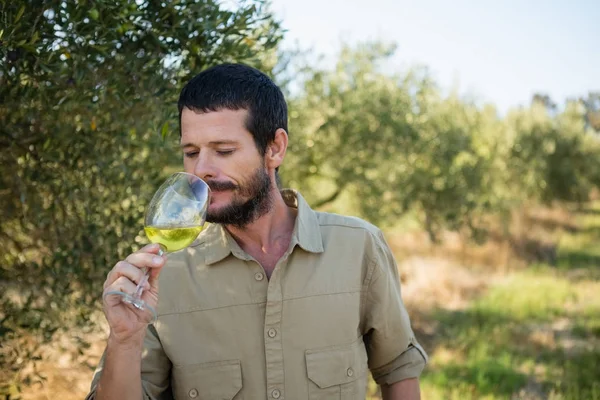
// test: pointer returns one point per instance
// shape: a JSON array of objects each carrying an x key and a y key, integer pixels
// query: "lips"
[
  {"x": 217, "y": 194},
  {"x": 216, "y": 186}
]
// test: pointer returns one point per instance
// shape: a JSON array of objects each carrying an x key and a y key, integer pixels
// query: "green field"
[{"x": 533, "y": 333}]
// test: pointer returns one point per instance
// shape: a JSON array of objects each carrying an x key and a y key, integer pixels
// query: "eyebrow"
[{"x": 212, "y": 144}]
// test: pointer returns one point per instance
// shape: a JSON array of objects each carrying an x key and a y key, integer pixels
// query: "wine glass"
[{"x": 174, "y": 218}]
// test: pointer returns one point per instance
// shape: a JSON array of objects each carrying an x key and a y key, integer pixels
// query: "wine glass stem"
[{"x": 140, "y": 287}]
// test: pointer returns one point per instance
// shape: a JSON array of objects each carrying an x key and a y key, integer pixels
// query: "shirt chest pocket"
[
  {"x": 337, "y": 372},
  {"x": 221, "y": 380}
]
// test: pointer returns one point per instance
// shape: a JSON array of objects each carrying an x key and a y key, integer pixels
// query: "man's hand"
[
  {"x": 121, "y": 375},
  {"x": 407, "y": 389},
  {"x": 126, "y": 324}
]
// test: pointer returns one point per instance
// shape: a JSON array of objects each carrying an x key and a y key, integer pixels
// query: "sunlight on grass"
[
  {"x": 532, "y": 334},
  {"x": 484, "y": 373},
  {"x": 582, "y": 248},
  {"x": 522, "y": 331},
  {"x": 529, "y": 296}
]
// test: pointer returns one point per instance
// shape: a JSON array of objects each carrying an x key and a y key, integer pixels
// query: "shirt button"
[
  {"x": 193, "y": 393},
  {"x": 272, "y": 333},
  {"x": 259, "y": 276},
  {"x": 276, "y": 394},
  {"x": 350, "y": 372}
]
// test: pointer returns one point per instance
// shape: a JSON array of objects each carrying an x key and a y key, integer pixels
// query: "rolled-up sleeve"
[
  {"x": 156, "y": 370},
  {"x": 393, "y": 351}
]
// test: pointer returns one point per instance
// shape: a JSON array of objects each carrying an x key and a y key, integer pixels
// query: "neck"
[{"x": 269, "y": 231}]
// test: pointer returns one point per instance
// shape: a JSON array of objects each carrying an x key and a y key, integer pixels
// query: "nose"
[{"x": 205, "y": 168}]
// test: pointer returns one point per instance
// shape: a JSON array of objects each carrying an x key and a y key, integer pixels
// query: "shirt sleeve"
[
  {"x": 156, "y": 370},
  {"x": 393, "y": 351}
]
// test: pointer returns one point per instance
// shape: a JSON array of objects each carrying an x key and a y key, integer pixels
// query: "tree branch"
[{"x": 330, "y": 198}]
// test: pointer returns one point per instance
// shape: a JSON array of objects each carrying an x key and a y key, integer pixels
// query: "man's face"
[{"x": 218, "y": 148}]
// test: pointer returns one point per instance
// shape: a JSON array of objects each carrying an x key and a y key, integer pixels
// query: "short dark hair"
[{"x": 235, "y": 87}]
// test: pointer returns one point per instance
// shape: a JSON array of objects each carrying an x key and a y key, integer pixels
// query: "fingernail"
[{"x": 157, "y": 260}]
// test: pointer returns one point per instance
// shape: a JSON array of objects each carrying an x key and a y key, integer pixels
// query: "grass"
[
  {"x": 533, "y": 334},
  {"x": 581, "y": 249},
  {"x": 532, "y": 295},
  {"x": 525, "y": 330}
]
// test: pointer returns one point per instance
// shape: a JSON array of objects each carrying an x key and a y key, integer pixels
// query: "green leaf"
[
  {"x": 94, "y": 14},
  {"x": 164, "y": 130},
  {"x": 35, "y": 37},
  {"x": 19, "y": 14}
]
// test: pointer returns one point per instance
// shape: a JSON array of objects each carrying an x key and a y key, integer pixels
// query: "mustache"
[{"x": 216, "y": 186}]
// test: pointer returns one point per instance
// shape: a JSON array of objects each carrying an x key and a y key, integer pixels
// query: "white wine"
[{"x": 173, "y": 237}]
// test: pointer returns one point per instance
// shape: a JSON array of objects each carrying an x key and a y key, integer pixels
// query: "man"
[{"x": 274, "y": 300}]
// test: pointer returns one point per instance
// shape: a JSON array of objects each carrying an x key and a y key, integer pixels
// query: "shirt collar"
[
  {"x": 218, "y": 243},
  {"x": 307, "y": 231}
]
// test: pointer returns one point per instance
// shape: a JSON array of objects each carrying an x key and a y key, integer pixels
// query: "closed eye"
[
  {"x": 224, "y": 152},
  {"x": 191, "y": 154}
]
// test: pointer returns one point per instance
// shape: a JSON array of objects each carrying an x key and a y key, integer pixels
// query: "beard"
[{"x": 251, "y": 200}]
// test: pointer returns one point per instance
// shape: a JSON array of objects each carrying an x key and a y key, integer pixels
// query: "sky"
[{"x": 494, "y": 51}]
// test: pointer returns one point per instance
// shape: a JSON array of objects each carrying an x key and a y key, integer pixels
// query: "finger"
[
  {"x": 122, "y": 285},
  {"x": 126, "y": 269},
  {"x": 146, "y": 260},
  {"x": 152, "y": 248}
]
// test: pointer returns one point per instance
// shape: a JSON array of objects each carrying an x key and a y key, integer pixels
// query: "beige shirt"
[{"x": 331, "y": 310}]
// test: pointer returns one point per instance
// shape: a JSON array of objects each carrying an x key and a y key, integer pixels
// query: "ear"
[{"x": 276, "y": 149}]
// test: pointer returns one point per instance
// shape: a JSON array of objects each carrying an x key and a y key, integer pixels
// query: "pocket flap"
[
  {"x": 220, "y": 380},
  {"x": 336, "y": 365}
]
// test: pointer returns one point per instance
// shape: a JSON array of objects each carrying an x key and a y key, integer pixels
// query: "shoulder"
[
  {"x": 357, "y": 233},
  {"x": 347, "y": 231},
  {"x": 343, "y": 223}
]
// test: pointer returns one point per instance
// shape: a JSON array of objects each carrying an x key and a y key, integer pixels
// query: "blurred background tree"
[
  {"x": 553, "y": 156},
  {"x": 391, "y": 144},
  {"x": 88, "y": 95}
]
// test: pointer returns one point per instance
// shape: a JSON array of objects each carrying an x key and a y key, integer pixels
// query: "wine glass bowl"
[
  {"x": 177, "y": 212},
  {"x": 174, "y": 219}
]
